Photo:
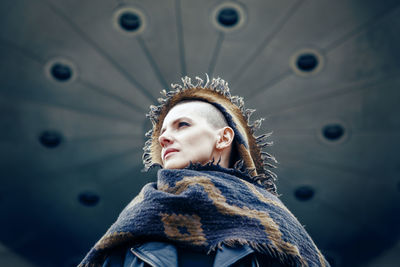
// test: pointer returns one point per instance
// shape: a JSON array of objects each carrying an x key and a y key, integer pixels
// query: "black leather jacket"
[{"x": 159, "y": 254}]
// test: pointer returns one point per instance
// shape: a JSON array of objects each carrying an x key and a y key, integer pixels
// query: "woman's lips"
[{"x": 169, "y": 151}]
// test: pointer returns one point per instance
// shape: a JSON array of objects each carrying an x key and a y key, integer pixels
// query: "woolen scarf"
[{"x": 204, "y": 207}]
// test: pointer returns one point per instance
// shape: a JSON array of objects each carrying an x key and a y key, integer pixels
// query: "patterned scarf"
[{"x": 203, "y": 209}]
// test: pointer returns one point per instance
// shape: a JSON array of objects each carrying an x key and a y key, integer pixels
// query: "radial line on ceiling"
[
  {"x": 181, "y": 43},
  {"x": 366, "y": 131},
  {"x": 37, "y": 59},
  {"x": 364, "y": 174},
  {"x": 66, "y": 107},
  {"x": 328, "y": 49},
  {"x": 130, "y": 173},
  {"x": 106, "y": 93},
  {"x": 339, "y": 212},
  {"x": 96, "y": 163},
  {"x": 349, "y": 216},
  {"x": 96, "y": 138},
  {"x": 278, "y": 27},
  {"x": 24, "y": 52},
  {"x": 102, "y": 52},
  {"x": 347, "y": 89},
  {"x": 287, "y": 132},
  {"x": 275, "y": 80},
  {"x": 360, "y": 28},
  {"x": 215, "y": 54},
  {"x": 152, "y": 62}
]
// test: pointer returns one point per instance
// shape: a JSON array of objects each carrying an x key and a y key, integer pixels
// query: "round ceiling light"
[
  {"x": 304, "y": 193},
  {"x": 333, "y": 132},
  {"x": 129, "y": 20},
  {"x": 88, "y": 198},
  {"x": 228, "y": 16},
  {"x": 306, "y": 62},
  {"x": 50, "y": 138},
  {"x": 60, "y": 70}
]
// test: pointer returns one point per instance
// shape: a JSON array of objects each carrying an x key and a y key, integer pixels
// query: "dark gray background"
[{"x": 98, "y": 114}]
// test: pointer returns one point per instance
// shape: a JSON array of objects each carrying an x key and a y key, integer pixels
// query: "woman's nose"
[{"x": 164, "y": 140}]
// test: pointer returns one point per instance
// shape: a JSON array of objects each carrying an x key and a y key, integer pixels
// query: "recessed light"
[
  {"x": 333, "y": 132},
  {"x": 306, "y": 62},
  {"x": 129, "y": 20},
  {"x": 228, "y": 16},
  {"x": 60, "y": 70},
  {"x": 50, "y": 138},
  {"x": 304, "y": 193},
  {"x": 88, "y": 198}
]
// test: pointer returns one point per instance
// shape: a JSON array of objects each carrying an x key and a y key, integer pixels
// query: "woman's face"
[{"x": 186, "y": 136}]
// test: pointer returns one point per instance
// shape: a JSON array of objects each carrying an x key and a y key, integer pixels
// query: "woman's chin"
[{"x": 173, "y": 164}]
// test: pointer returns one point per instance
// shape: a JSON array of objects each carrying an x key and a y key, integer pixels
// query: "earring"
[{"x": 220, "y": 158}]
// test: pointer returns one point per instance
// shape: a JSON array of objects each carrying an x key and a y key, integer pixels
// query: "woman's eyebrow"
[
  {"x": 182, "y": 119},
  {"x": 175, "y": 121}
]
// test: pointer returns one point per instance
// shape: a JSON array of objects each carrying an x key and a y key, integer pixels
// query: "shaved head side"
[
  {"x": 208, "y": 111},
  {"x": 197, "y": 132}
]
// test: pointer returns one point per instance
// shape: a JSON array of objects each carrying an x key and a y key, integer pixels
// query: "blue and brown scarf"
[{"x": 203, "y": 209}]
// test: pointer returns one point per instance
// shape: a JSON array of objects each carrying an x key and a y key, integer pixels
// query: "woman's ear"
[{"x": 225, "y": 139}]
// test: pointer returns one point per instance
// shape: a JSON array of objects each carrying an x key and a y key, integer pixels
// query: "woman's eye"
[{"x": 183, "y": 123}]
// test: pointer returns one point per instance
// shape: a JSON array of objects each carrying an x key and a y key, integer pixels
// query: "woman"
[{"x": 214, "y": 202}]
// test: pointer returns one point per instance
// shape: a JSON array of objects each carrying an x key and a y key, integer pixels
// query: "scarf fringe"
[{"x": 238, "y": 170}]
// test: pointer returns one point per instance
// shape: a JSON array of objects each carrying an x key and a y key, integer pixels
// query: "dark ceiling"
[{"x": 77, "y": 78}]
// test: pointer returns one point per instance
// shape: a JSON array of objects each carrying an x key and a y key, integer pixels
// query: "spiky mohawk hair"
[{"x": 254, "y": 162}]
